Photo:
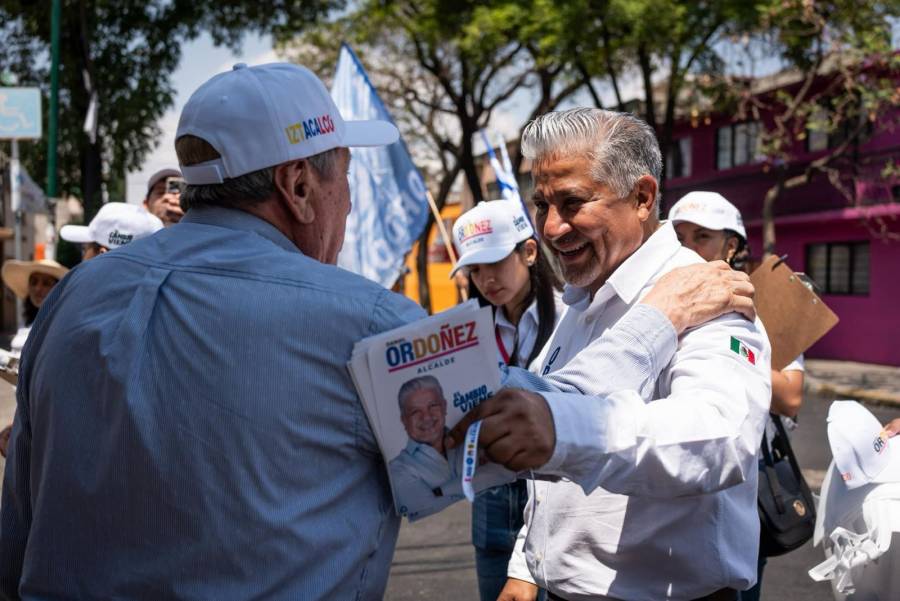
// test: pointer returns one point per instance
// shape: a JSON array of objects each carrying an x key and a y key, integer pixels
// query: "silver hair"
[
  {"x": 416, "y": 384},
  {"x": 622, "y": 147},
  {"x": 251, "y": 188}
]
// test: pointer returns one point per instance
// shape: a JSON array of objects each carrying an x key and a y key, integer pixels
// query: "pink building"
[{"x": 851, "y": 249}]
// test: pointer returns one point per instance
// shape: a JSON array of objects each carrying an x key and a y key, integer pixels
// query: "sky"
[{"x": 201, "y": 59}]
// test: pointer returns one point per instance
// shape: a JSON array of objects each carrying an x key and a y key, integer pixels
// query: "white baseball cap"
[
  {"x": 114, "y": 225},
  {"x": 863, "y": 452},
  {"x": 490, "y": 231},
  {"x": 708, "y": 209},
  {"x": 262, "y": 116}
]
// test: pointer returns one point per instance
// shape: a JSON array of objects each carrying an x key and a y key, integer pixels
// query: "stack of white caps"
[
  {"x": 489, "y": 232},
  {"x": 258, "y": 117},
  {"x": 708, "y": 209},
  {"x": 863, "y": 452}
]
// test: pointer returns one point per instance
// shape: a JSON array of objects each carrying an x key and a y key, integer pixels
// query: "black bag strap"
[
  {"x": 769, "y": 471},
  {"x": 789, "y": 451}
]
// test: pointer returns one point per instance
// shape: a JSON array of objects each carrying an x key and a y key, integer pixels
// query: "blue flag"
[{"x": 390, "y": 203}]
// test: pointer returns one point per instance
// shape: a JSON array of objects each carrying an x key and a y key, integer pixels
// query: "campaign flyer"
[{"x": 422, "y": 379}]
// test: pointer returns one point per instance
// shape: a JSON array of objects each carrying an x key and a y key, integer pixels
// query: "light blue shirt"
[
  {"x": 424, "y": 480},
  {"x": 187, "y": 428}
]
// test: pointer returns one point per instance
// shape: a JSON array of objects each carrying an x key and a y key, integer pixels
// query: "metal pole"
[
  {"x": 53, "y": 118},
  {"x": 16, "y": 206}
]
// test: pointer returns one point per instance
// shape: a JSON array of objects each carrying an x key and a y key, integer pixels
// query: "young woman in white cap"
[
  {"x": 507, "y": 270},
  {"x": 712, "y": 227}
]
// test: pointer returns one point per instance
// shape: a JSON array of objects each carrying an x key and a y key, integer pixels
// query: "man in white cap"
[
  {"x": 164, "y": 196},
  {"x": 115, "y": 224},
  {"x": 186, "y": 426}
]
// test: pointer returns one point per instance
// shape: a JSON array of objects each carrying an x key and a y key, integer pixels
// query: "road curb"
[{"x": 883, "y": 398}]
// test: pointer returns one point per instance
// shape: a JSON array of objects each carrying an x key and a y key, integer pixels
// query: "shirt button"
[{"x": 538, "y": 557}]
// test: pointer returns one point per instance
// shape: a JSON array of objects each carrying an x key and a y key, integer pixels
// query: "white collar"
[
  {"x": 632, "y": 275},
  {"x": 531, "y": 313}
]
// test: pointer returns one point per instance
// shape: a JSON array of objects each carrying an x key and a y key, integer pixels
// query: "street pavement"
[{"x": 435, "y": 560}]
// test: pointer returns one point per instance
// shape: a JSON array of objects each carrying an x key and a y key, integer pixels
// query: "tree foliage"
[
  {"x": 842, "y": 69},
  {"x": 126, "y": 52}
]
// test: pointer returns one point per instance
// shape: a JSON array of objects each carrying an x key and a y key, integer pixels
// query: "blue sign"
[
  {"x": 20, "y": 113},
  {"x": 390, "y": 202}
]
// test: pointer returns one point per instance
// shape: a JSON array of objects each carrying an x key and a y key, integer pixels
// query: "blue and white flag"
[
  {"x": 506, "y": 179},
  {"x": 390, "y": 202}
]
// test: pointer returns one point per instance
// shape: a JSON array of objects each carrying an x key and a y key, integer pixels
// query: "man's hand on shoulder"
[
  {"x": 516, "y": 431},
  {"x": 692, "y": 295},
  {"x": 518, "y": 590}
]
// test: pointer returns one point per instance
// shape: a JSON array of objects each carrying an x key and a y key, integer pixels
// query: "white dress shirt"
[{"x": 656, "y": 444}]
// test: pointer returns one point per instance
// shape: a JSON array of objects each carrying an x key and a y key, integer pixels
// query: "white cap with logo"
[
  {"x": 489, "y": 232},
  {"x": 114, "y": 225},
  {"x": 708, "y": 209},
  {"x": 863, "y": 452},
  {"x": 262, "y": 116}
]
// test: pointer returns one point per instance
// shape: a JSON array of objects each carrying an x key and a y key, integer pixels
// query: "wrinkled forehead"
[{"x": 565, "y": 174}]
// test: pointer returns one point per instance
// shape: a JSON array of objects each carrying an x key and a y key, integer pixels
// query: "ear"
[
  {"x": 645, "y": 195},
  {"x": 293, "y": 186},
  {"x": 530, "y": 251},
  {"x": 731, "y": 248}
]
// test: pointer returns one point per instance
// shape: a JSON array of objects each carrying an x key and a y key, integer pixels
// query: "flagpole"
[{"x": 448, "y": 242}]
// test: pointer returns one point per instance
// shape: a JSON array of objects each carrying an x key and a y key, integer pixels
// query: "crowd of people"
[{"x": 186, "y": 426}]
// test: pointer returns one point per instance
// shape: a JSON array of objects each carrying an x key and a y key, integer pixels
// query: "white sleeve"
[
  {"x": 518, "y": 566},
  {"x": 797, "y": 364},
  {"x": 701, "y": 438}
]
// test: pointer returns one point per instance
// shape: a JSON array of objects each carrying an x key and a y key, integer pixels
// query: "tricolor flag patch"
[{"x": 743, "y": 350}]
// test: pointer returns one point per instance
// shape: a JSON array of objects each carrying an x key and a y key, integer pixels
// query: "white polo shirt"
[{"x": 657, "y": 439}]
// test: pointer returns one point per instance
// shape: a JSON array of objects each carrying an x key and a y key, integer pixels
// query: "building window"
[
  {"x": 839, "y": 267},
  {"x": 737, "y": 145},
  {"x": 678, "y": 159}
]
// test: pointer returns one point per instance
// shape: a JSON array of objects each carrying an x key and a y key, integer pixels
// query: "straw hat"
[{"x": 16, "y": 273}]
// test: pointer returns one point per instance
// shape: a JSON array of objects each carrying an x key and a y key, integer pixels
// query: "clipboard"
[{"x": 794, "y": 316}]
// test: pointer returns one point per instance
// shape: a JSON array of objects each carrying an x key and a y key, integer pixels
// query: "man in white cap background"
[
  {"x": 164, "y": 196},
  {"x": 115, "y": 224}
]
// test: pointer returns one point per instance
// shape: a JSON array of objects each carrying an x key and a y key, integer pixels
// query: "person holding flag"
[{"x": 507, "y": 270}]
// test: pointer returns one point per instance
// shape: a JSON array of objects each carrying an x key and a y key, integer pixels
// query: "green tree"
[
  {"x": 842, "y": 74},
  {"x": 124, "y": 52},
  {"x": 444, "y": 67}
]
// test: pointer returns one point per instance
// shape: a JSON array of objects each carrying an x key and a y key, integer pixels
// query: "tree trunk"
[
  {"x": 768, "y": 214},
  {"x": 422, "y": 253},
  {"x": 422, "y": 265},
  {"x": 646, "y": 76},
  {"x": 467, "y": 161}
]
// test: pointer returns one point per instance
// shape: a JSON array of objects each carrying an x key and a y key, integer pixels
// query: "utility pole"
[{"x": 53, "y": 118}]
